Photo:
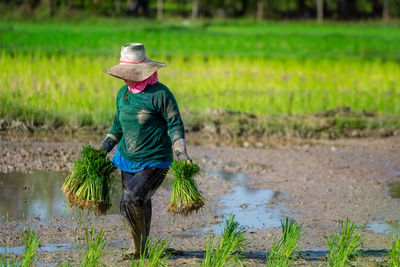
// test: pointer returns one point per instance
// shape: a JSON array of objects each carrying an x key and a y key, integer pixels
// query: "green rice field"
[{"x": 51, "y": 72}]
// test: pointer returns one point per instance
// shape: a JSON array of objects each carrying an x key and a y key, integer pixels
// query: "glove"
[
  {"x": 180, "y": 150},
  {"x": 108, "y": 143}
]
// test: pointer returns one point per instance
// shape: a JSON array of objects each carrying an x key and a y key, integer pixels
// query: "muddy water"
[
  {"x": 248, "y": 204},
  {"x": 37, "y": 195}
]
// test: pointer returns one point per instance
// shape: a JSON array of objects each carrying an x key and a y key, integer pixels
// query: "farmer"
[{"x": 146, "y": 125}]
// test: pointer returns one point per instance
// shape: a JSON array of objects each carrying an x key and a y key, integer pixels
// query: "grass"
[
  {"x": 31, "y": 242},
  {"x": 283, "y": 251},
  {"x": 51, "y": 71},
  {"x": 153, "y": 254},
  {"x": 230, "y": 248},
  {"x": 185, "y": 197},
  {"x": 394, "y": 253},
  {"x": 65, "y": 89},
  {"x": 206, "y": 38},
  {"x": 343, "y": 245},
  {"x": 94, "y": 248},
  {"x": 7, "y": 260},
  {"x": 90, "y": 182}
]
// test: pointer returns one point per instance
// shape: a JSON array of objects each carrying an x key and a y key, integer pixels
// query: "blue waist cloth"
[{"x": 135, "y": 166}]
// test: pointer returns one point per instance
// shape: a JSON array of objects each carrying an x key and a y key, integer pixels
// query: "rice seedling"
[
  {"x": 343, "y": 245},
  {"x": 90, "y": 183},
  {"x": 94, "y": 248},
  {"x": 185, "y": 197},
  {"x": 215, "y": 39},
  {"x": 394, "y": 253},
  {"x": 300, "y": 76},
  {"x": 65, "y": 264},
  {"x": 31, "y": 242},
  {"x": 283, "y": 251},
  {"x": 7, "y": 260},
  {"x": 153, "y": 254},
  {"x": 230, "y": 248}
]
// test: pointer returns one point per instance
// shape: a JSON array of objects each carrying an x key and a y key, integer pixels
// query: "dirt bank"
[{"x": 318, "y": 183}]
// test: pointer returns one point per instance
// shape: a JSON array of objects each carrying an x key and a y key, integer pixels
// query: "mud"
[{"x": 317, "y": 182}]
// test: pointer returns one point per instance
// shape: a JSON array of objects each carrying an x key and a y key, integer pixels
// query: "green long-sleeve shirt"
[{"x": 146, "y": 124}]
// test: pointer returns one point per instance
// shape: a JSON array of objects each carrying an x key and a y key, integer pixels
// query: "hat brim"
[{"x": 135, "y": 72}]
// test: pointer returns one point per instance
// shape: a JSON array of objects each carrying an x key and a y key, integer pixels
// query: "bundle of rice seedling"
[
  {"x": 185, "y": 197},
  {"x": 89, "y": 184}
]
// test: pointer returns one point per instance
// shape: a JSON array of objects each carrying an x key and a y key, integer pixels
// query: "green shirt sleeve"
[
  {"x": 116, "y": 128},
  {"x": 170, "y": 112}
]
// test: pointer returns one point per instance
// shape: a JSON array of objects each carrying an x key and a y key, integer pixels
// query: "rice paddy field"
[
  {"x": 51, "y": 72},
  {"x": 342, "y": 196}
]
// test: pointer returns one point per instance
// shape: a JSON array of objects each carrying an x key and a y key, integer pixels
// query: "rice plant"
[
  {"x": 153, "y": 254},
  {"x": 283, "y": 251},
  {"x": 65, "y": 264},
  {"x": 90, "y": 183},
  {"x": 343, "y": 245},
  {"x": 31, "y": 242},
  {"x": 394, "y": 253},
  {"x": 211, "y": 38},
  {"x": 185, "y": 197},
  {"x": 7, "y": 260},
  {"x": 230, "y": 248},
  {"x": 94, "y": 248}
]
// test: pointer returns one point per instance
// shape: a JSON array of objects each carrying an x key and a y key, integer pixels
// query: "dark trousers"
[{"x": 135, "y": 206}]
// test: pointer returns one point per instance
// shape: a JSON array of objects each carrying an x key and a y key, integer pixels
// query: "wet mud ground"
[{"x": 316, "y": 182}]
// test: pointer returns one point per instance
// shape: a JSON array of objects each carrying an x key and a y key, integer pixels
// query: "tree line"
[{"x": 194, "y": 9}]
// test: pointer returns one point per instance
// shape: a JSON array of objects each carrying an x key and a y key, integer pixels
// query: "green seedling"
[
  {"x": 90, "y": 183},
  {"x": 283, "y": 251},
  {"x": 31, "y": 242},
  {"x": 94, "y": 248},
  {"x": 230, "y": 248},
  {"x": 185, "y": 196},
  {"x": 153, "y": 254},
  {"x": 343, "y": 245},
  {"x": 394, "y": 253}
]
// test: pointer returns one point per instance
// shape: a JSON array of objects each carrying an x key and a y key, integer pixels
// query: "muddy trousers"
[{"x": 135, "y": 206}]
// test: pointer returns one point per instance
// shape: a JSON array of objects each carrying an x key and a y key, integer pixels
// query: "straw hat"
[{"x": 134, "y": 66}]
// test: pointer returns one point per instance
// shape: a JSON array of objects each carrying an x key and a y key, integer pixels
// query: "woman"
[{"x": 146, "y": 125}]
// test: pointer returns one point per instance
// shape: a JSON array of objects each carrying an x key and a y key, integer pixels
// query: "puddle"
[
  {"x": 37, "y": 194},
  {"x": 248, "y": 204},
  {"x": 380, "y": 227},
  {"x": 43, "y": 248}
]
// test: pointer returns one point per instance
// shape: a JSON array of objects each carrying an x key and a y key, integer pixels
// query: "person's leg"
[{"x": 135, "y": 206}]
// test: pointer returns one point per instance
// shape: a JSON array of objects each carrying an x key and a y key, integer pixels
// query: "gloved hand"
[
  {"x": 109, "y": 142},
  {"x": 180, "y": 150}
]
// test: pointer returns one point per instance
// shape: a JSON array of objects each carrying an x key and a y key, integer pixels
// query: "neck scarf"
[{"x": 137, "y": 87}]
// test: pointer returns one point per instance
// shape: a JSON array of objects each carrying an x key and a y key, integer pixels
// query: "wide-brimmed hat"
[{"x": 133, "y": 64}]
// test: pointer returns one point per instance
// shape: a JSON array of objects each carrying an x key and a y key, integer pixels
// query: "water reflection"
[
  {"x": 380, "y": 227},
  {"x": 37, "y": 194},
  {"x": 248, "y": 204}
]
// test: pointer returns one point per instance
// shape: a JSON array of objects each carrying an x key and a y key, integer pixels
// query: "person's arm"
[
  {"x": 108, "y": 143},
  {"x": 171, "y": 114},
  {"x": 114, "y": 135}
]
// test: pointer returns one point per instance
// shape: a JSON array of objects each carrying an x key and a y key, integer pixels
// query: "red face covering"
[{"x": 137, "y": 87}]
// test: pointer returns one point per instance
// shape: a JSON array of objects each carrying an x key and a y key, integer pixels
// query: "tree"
[
  {"x": 320, "y": 10},
  {"x": 260, "y": 10},
  {"x": 195, "y": 9},
  {"x": 118, "y": 7},
  {"x": 159, "y": 9},
  {"x": 385, "y": 11}
]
